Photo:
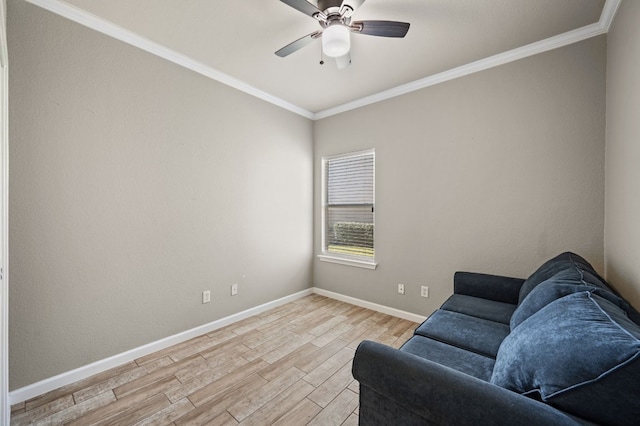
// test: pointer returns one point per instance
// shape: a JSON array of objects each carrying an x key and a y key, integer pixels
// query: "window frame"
[{"x": 345, "y": 259}]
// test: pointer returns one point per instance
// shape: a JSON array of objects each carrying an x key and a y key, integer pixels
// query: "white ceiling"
[{"x": 234, "y": 42}]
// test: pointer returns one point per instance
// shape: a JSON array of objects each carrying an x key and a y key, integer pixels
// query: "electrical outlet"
[
  {"x": 234, "y": 289},
  {"x": 206, "y": 296},
  {"x": 401, "y": 288},
  {"x": 424, "y": 291}
]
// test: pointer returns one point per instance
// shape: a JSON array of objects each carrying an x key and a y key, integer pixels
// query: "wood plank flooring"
[{"x": 290, "y": 365}]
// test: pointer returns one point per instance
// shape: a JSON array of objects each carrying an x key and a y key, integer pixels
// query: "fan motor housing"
[{"x": 326, "y": 4}]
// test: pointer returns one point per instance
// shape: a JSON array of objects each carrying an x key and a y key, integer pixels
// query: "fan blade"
[
  {"x": 381, "y": 28},
  {"x": 298, "y": 44},
  {"x": 343, "y": 61},
  {"x": 303, "y": 6}
]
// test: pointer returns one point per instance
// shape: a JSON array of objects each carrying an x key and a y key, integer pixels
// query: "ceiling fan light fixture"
[{"x": 336, "y": 40}]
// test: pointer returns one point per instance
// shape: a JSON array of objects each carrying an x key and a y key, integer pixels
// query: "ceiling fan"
[{"x": 334, "y": 17}]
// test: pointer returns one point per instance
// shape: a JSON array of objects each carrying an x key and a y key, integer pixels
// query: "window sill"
[{"x": 348, "y": 262}]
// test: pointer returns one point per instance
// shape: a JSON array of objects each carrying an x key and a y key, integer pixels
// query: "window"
[{"x": 349, "y": 209}]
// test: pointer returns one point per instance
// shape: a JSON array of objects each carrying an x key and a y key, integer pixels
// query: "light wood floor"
[{"x": 288, "y": 366}]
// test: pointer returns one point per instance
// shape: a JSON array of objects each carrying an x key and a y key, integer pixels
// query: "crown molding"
[
  {"x": 101, "y": 25},
  {"x": 570, "y": 37},
  {"x": 112, "y": 30},
  {"x": 608, "y": 13}
]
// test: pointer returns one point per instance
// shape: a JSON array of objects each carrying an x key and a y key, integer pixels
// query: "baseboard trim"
[
  {"x": 370, "y": 305},
  {"x": 63, "y": 379}
]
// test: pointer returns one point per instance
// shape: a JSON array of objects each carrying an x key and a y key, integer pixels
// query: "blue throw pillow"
[
  {"x": 580, "y": 354},
  {"x": 566, "y": 260},
  {"x": 568, "y": 281}
]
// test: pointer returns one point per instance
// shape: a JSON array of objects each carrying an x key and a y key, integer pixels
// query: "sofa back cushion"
[
  {"x": 563, "y": 261},
  {"x": 581, "y": 354},
  {"x": 568, "y": 281}
]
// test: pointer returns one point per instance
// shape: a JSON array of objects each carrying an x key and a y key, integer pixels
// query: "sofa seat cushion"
[
  {"x": 480, "y": 308},
  {"x": 581, "y": 354},
  {"x": 467, "y": 362},
  {"x": 463, "y": 331},
  {"x": 565, "y": 261}
]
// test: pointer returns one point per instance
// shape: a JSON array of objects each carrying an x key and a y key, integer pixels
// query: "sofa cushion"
[
  {"x": 581, "y": 354},
  {"x": 466, "y": 332},
  {"x": 564, "y": 261},
  {"x": 568, "y": 281},
  {"x": 480, "y": 308},
  {"x": 467, "y": 362}
]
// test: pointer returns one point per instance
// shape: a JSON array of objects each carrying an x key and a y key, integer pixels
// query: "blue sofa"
[{"x": 559, "y": 348}]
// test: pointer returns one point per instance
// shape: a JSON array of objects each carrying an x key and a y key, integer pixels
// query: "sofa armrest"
[
  {"x": 492, "y": 287},
  {"x": 397, "y": 386}
]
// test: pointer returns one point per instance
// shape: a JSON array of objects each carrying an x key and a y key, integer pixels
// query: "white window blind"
[{"x": 349, "y": 208}]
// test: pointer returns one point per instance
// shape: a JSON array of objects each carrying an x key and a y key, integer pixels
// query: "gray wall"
[
  {"x": 494, "y": 172},
  {"x": 622, "y": 214},
  {"x": 135, "y": 185}
]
